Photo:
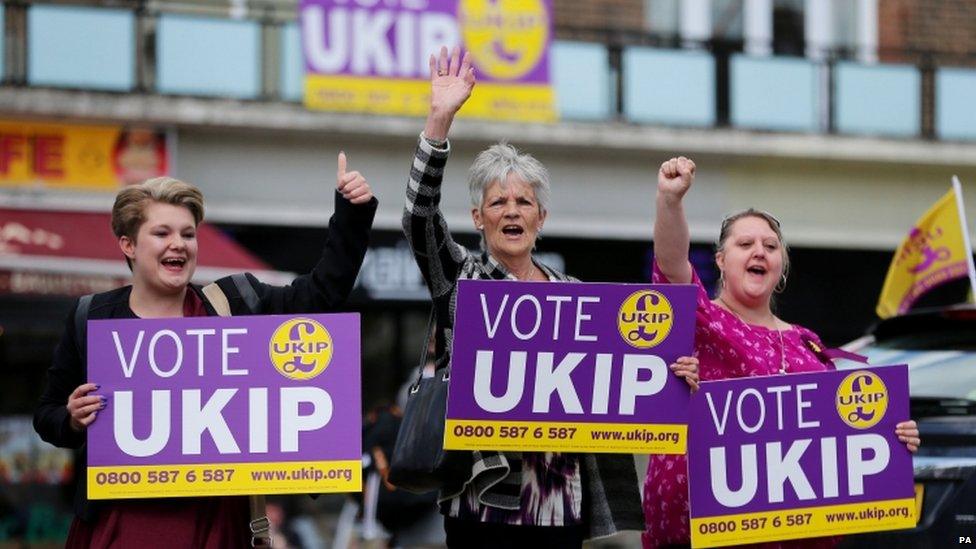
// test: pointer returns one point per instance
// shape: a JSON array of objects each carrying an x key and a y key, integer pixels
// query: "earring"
[
  {"x": 481, "y": 227},
  {"x": 782, "y": 284}
]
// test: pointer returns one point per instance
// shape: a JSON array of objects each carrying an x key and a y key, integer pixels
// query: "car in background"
[{"x": 939, "y": 346}]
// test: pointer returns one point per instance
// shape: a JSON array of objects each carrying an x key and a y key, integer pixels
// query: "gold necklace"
[{"x": 782, "y": 346}]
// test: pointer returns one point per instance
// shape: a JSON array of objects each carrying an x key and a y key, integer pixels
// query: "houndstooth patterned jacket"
[{"x": 611, "y": 498}]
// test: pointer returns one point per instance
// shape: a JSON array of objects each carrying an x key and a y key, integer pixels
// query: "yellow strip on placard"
[
  {"x": 223, "y": 479},
  {"x": 808, "y": 522},
  {"x": 548, "y": 436},
  {"x": 388, "y": 96}
]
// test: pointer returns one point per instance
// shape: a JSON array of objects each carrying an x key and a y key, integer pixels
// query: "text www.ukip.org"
[
  {"x": 868, "y": 514},
  {"x": 638, "y": 435},
  {"x": 307, "y": 473}
]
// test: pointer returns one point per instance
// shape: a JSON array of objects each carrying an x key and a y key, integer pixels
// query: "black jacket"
[{"x": 324, "y": 289}]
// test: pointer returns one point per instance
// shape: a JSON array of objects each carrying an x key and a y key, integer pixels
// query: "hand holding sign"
[
  {"x": 352, "y": 185},
  {"x": 907, "y": 432},
  {"x": 451, "y": 82},
  {"x": 83, "y": 406},
  {"x": 686, "y": 367},
  {"x": 676, "y": 176}
]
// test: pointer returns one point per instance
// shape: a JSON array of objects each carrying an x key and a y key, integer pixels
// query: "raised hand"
[
  {"x": 451, "y": 82},
  {"x": 675, "y": 177},
  {"x": 83, "y": 407},
  {"x": 352, "y": 185}
]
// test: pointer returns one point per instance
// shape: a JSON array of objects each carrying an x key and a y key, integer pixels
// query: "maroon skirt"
[{"x": 200, "y": 523}]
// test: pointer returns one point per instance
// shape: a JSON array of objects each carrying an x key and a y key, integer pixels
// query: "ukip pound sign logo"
[
  {"x": 645, "y": 319},
  {"x": 862, "y": 399},
  {"x": 507, "y": 38},
  {"x": 301, "y": 349}
]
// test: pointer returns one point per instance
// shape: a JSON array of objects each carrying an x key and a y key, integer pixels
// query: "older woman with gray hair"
[{"x": 510, "y": 499}]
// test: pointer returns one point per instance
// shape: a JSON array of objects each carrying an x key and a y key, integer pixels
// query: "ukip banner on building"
[
  {"x": 240, "y": 405},
  {"x": 570, "y": 367},
  {"x": 368, "y": 56},
  {"x": 799, "y": 456},
  {"x": 42, "y": 155}
]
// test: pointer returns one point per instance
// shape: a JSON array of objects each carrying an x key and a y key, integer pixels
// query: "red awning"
[{"x": 74, "y": 253}]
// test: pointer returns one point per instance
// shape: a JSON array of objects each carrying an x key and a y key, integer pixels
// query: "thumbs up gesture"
[{"x": 352, "y": 185}]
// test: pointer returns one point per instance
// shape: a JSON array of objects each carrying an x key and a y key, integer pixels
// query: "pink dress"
[{"x": 726, "y": 347}]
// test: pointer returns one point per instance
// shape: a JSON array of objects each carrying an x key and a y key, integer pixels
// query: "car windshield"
[{"x": 941, "y": 364}]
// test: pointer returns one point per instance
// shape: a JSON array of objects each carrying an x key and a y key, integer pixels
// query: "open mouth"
[
  {"x": 513, "y": 230},
  {"x": 174, "y": 262},
  {"x": 757, "y": 270}
]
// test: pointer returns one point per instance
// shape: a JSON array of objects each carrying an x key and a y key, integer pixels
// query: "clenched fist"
[{"x": 675, "y": 177}]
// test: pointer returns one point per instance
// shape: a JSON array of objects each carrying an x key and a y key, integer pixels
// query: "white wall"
[{"x": 609, "y": 193}]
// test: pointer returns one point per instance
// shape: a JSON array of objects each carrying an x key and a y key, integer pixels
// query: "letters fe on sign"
[
  {"x": 225, "y": 406},
  {"x": 369, "y": 56},
  {"x": 558, "y": 366},
  {"x": 799, "y": 456}
]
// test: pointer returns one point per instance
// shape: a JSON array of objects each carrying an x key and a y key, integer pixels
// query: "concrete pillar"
[
  {"x": 818, "y": 28},
  {"x": 696, "y": 22},
  {"x": 867, "y": 31},
  {"x": 758, "y": 27}
]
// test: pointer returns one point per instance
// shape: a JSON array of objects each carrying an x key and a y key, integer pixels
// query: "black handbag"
[{"x": 420, "y": 463}]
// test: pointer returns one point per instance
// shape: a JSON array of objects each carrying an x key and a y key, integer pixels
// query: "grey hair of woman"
[
  {"x": 773, "y": 224},
  {"x": 499, "y": 160}
]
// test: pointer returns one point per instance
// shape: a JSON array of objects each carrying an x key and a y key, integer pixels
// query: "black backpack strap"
[
  {"x": 81, "y": 324},
  {"x": 247, "y": 292}
]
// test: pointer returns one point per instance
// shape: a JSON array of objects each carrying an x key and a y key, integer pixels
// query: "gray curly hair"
[{"x": 501, "y": 159}]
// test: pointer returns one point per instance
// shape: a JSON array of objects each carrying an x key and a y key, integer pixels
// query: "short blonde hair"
[{"x": 129, "y": 211}]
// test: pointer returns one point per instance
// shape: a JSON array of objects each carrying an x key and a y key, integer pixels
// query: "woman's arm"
[
  {"x": 330, "y": 282},
  {"x": 451, "y": 82},
  {"x": 438, "y": 256},
  {"x": 671, "y": 239},
  {"x": 65, "y": 381}
]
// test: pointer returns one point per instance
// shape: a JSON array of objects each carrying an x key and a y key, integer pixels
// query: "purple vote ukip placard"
[
  {"x": 370, "y": 56},
  {"x": 558, "y": 366},
  {"x": 798, "y": 456},
  {"x": 225, "y": 405}
]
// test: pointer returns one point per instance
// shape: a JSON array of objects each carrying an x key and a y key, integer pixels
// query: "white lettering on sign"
[
  {"x": 130, "y": 354},
  {"x": 552, "y": 377},
  {"x": 123, "y": 429},
  {"x": 751, "y": 405},
  {"x": 199, "y": 418},
  {"x": 866, "y": 453},
  {"x": 293, "y": 422},
  {"x": 535, "y": 315},
  {"x": 549, "y": 380},
  {"x": 782, "y": 468},
  {"x": 581, "y": 316},
  {"x": 354, "y": 39},
  {"x": 201, "y": 333}
]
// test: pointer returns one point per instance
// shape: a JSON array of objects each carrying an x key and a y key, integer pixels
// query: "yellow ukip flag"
[{"x": 936, "y": 251}]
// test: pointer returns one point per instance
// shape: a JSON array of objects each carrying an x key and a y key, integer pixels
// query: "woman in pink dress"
[{"x": 736, "y": 334}]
